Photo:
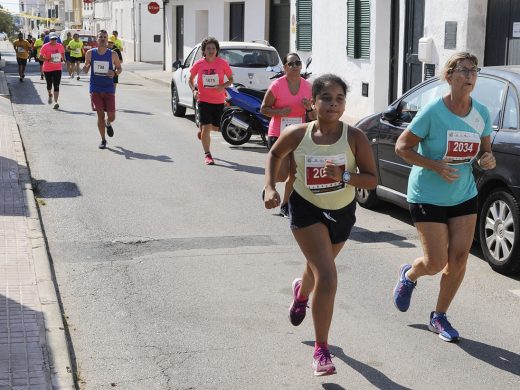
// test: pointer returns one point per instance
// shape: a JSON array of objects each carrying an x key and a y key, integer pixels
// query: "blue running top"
[{"x": 100, "y": 64}]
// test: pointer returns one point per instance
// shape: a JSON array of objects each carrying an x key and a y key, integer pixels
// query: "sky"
[{"x": 11, "y": 5}]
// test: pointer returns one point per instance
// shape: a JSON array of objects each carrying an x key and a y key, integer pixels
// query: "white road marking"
[{"x": 516, "y": 292}]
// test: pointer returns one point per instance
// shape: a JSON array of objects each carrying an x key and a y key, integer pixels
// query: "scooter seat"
[{"x": 252, "y": 92}]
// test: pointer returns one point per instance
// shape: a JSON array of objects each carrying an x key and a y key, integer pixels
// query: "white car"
[{"x": 252, "y": 63}]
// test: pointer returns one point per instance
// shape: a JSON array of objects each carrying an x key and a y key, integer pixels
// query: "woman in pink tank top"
[{"x": 287, "y": 102}]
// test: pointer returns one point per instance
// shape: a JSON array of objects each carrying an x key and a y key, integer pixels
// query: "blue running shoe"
[
  {"x": 439, "y": 324},
  {"x": 403, "y": 289}
]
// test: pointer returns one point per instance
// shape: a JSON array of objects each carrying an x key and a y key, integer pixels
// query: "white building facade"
[
  {"x": 187, "y": 22},
  {"x": 140, "y": 30},
  {"x": 387, "y": 63},
  {"x": 381, "y": 48}
]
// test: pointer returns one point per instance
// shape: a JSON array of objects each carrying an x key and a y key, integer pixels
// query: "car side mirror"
[
  {"x": 391, "y": 114},
  {"x": 177, "y": 64}
]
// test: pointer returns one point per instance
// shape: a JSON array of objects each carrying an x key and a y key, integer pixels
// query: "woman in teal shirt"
[{"x": 449, "y": 133}]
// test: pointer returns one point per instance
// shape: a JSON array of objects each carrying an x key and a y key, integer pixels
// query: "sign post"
[{"x": 153, "y": 7}]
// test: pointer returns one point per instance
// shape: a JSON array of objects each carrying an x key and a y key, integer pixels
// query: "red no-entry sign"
[{"x": 153, "y": 7}]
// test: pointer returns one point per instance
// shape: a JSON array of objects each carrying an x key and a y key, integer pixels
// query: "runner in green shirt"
[
  {"x": 75, "y": 48},
  {"x": 68, "y": 63},
  {"x": 38, "y": 45}
]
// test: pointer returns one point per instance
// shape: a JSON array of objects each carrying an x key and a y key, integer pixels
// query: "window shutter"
[
  {"x": 364, "y": 29},
  {"x": 304, "y": 25},
  {"x": 351, "y": 28},
  {"x": 358, "y": 28}
]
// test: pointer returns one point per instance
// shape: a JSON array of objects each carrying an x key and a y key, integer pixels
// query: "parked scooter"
[{"x": 243, "y": 118}]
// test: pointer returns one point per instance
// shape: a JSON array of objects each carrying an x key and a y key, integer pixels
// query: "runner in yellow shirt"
[
  {"x": 22, "y": 49},
  {"x": 37, "y": 46},
  {"x": 117, "y": 42},
  {"x": 68, "y": 63},
  {"x": 76, "y": 53}
]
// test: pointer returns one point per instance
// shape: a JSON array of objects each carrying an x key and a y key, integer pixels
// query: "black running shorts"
[
  {"x": 339, "y": 223},
  {"x": 424, "y": 212},
  {"x": 210, "y": 114},
  {"x": 270, "y": 141}
]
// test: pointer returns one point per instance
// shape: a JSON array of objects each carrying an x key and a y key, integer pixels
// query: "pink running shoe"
[
  {"x": 322, "y": 363},
  {"x": 298, "y": 309},
  {"x": 208, "y": 160}
]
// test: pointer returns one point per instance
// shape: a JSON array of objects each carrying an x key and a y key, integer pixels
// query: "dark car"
[{"x": 498, "y": 225}]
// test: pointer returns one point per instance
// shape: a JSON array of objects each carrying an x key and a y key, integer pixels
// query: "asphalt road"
[{"x": 173, "y": 276}]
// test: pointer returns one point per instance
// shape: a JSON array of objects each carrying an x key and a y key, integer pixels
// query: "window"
[
  {"x": 187, "y": 63},
  {"x": 419, "y": 98},
  {"x": 250, "y": 58},
  {"x": 358, "y": 28},
  {"x": 304, "y": 25},
  {"x": 511, "y": 110},
  {"x": 491, "y": 93}
]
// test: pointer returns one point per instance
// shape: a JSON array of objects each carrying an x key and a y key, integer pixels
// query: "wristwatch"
[{"x": 346, "y": 177}]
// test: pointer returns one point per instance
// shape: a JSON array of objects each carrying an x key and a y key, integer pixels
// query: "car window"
[
  {"x": 490, "y": 92},
  {"x": 250, "y": 58},
  {"x": 419, "y": 98},
  {"x": 87, "y": 38},
  {"x": 198, "y": 55},
  {"x": 511, "y": 110},
  {"x": 187, "y": 63}
]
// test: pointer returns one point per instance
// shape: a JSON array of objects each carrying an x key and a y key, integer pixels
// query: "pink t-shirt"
[
  {"x": 209, "y": 74},
  {"x": 53, "y": 54},
  {"x": 283, "y": 98}
]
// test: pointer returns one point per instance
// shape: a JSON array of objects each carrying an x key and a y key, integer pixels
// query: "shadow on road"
[
  {"x": 240, "y": 167},
  {"x": 55, "y": 189},
  {"x": 332, "y": 386},
  {"x": 24, "y": 92},
  {"x": 130, "y": 155},
  {"x": 77, "y": 112},
  {"x": 366, "y": 236},
  {"x": 135, "y": 112},
  {"x": 497, "y": 357},
  {"x": 374, "y": 376}
]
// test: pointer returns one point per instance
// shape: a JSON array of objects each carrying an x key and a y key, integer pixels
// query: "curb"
[{"x": 56, "y": 346}]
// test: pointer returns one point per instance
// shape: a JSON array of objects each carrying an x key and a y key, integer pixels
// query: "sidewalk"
[
  {"x": 33, "y": 348},
  {"x": 153, "y": 72}
]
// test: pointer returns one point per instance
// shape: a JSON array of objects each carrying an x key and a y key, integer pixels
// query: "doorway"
[
  {"x": 394, "y": 51},
  {"x": 414, "y": 30},
  {"x": 201, "y": 25},
  {"x": 179, "y": 32},
  {"x": 279, "y": 25},
  {"x": 236, "y": 22},
  {"x": 502, "y": 33}
]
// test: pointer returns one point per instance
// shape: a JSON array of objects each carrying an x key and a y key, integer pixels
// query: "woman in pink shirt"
[
  {"x": 287, "y": 102},
  {"x": 210, "y": 93},
  {"x": 52, "y": 54}
]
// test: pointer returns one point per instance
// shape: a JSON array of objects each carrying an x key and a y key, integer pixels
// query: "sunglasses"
[
  {"x": 294, "y": 64},
  {"x": 467, "y": 72}
]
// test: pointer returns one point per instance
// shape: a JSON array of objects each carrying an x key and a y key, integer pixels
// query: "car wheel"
[
  {"x": 197, "y": 114},
  {"x": 499, "y": 231},
  {"x": 367, "y": 198},
  {"x": 177, "y": 109}
]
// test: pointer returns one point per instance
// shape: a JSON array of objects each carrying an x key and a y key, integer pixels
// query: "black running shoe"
[
  {"x": 103, "y": 144},
  {"x": 110, "y": 130}
]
